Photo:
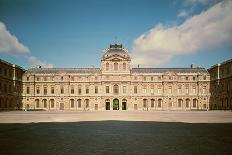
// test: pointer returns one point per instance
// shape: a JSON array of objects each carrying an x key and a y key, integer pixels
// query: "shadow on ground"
[{"x": 115, "y": 137}]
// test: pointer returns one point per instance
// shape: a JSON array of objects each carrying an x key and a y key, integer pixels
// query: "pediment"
[{"x": 115, "y": 57}]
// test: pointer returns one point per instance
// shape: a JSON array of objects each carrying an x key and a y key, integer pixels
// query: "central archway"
[{"x": 115, "y": 104}]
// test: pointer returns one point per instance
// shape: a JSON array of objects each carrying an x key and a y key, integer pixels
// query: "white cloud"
[
  {"x": 9, "y": 43},
  {"x": 194, "y": 2},
  {"x": 209, "y": 29},
  {"x": 183, "y": 13},
  {"x": 35, "y": 62}
]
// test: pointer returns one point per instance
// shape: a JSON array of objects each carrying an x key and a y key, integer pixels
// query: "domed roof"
[{"x": 115, "y": 49}]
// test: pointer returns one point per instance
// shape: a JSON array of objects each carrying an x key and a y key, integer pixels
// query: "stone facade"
[
  {"x": 10, "y": 86},
  {"x": 221, "y": 86},
  {"x": 116, "y": 86}
]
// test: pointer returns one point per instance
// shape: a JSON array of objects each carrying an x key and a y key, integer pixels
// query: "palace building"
[{"x": 116, "y": 86}]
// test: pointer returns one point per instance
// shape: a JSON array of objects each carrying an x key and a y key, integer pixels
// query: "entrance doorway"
[
  {"x": 124, "y": 104},
  {"x": 115, "y": 104},
  {"x": 107, "y": 104},
  {"x": 61, "y": 106}
]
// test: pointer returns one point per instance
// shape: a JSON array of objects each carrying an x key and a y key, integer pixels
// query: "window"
[
  {"x": 194, "y": 90},
  {"x": 52, "y": 103},
  {"x": 187, "y": 103},
  {"x": 124, "y": 89},
  {"x": 170, "y": 90},
  {"x": 45, "y": 90},
  {"x": 204, "y": 77},
  {"x": 144, "y": 78},
  {"x": 96, "y": 89},
  {"x": 79, "y": 90},
  {"x": 37, "y": 90},
  {"x": 37, "y": 79},
  {"x": 87, "y": 103},
  {"x": 107, "y": 90},
  {"x": 107, "y": 66},
  {"x": 144, "y": 90},
  {"x": 152, "y": 78},
  {"x": 124, "y": 66},
  {"x": 159, "y": 90},
  {"x": 61, "y": 78},
  {"x": 52, "y": 90},
  {"x": 135, "y": 90},
  {"x": 72, "y": 103},
  {"x": 152, "y": 103},
  {"x": 45, "y": 103},
  {"x": 159, "y": 103},
  {"x": 72, "y": 90},
  {"x": 87, "y": 89},
  {"x": 115, "y": 66},
  {"x": 27, "y": 78},
  {"x": 72, "y": 78},
  {"x": 79, "y": 103},
  {"x": 159, "y": 78},
  {"x": 45, "y": 78},
  {"x": 179, "y": 89},
  {"x": 152, "y": 90},
  {"x": 194, "y": 78},
  {"x": 187, "y": 90},
  {"x": 204, "y": 90},
  {"x": 37, "y": 103},
  {"x": 194, "y": 103},
  {"x": 180, "y": 101},
  {"x": 28, "y": 90},
  {"x": 116, "y": 89},
  {"x": 144, "y": 103},
  {"x": 186, "y": 78},
  {"x": 62, "y": 90}
]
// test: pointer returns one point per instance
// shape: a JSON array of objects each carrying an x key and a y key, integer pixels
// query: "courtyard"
[{"x": 116, "y": 132}]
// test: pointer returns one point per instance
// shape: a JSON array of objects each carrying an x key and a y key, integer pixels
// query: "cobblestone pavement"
[{"x": 115, "y": 132}]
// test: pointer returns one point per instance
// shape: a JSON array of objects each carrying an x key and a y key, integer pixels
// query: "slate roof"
[
  {"x": 66, "y": 70},
  {"x": 163, "y": 70}
]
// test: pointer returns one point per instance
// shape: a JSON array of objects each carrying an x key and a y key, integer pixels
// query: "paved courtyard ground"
[{"x": 116, "y": 132}]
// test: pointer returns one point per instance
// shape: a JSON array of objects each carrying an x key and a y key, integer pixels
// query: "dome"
[{"x": 115, "y": 49}]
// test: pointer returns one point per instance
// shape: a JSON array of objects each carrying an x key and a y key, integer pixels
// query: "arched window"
[
  {"x": 72, "y": 103},
  {"x": 116, "y": 66},
  {"x": 152, "y": 103},
  {"x": 37, "y": 103},
  {"x": 107, "y": 66},
  {"x": 187, "y": 103},
  {"x": 159, "y": 103},
  {"x": 44, "y": 103},
  {"x": 116, "y": 89},
  {"x": 144, "y": 103},
  {"x": 52, "y": 103},
  {"x": 180, "y": 101},
  {"x": 124, "y": 66},
  {"x": 194, "y": 103},
  {"x": 79, "y": 103}
]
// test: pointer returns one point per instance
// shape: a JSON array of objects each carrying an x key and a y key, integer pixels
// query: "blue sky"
[{"x": 73, "y": 33}]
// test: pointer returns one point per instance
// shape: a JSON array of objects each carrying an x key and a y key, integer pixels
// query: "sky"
[{"x": 73, "y": 33}]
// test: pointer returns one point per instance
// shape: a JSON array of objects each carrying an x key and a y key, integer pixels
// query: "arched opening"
[
  {"x": 152, "y": 103},
  {"x": 195, "y": 103},
  {"x": 44, "y": 103},
  {"x": 107, "y": 104},
  {"x": 159, "y": 103},
  {"x": 145, "y": 106},
  {"x": 115, "y": 104},
  {"x": 180, "y": 102},
  {"x": 72, "y": 103},
  {"x": 115, "y": 66},
  {"x": 37, "y": 103},
  {"x": 79, "y": 103},
  {"x": 116, "y": 89},
  {"x": 187, "y": 103},
  {"x": 124, "y": 106},
  {"x": 86, "y": 104},
  {"x": 52, "y": 103}
]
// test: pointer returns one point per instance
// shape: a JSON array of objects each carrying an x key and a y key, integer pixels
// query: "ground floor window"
[
  {"x": 52, "y": 103},
  {"x": 37, "y": 103},
  {"x": 159, "y": 103},
  {"x": 72, "y": 103},
  {"x": 135, "y": 106},
  {"x": 152, "y": 103}
]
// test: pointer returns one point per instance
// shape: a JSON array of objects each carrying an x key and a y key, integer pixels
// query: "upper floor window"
[
  {"x": 124, "y": 89},
  {"x": 72, "y": 90},
  {"x": 52, "y": 90},
  {"x": 194, "y": 78},
  {"x": 45, "y": 90},
  {"x": 116, "y": 89},
  {"x": 152, "y": 78},
  {"x": 45, "y": 78},
  {"x": 28, "y": 90},
  {"x": 186, "y": 78},
  {"x": 96, "y": 89},
  {"x": 124, "y": 66},
  {"x": 107, "y": 66},
  {"x": 116, "y": 66},
  {"x": 135, "y": 89},
  {"x": 37, "y": 79},
  {"x": 62, "y": 90},
  {"x": 79, "y": 90},
  {"x": 204, "y": 77},
  {"x": 87, "y": 90},
  {"x": 27, "y": 78},
  {"x": 61, "y": 78},
  {"x": 107, "y": 89}
]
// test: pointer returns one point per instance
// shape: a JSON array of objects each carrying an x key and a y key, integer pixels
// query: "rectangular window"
[
  {"x": 72, "y": 103},
  {"x": 28, "y": 90},
  {"x": 107, "y": 90},
  {"x": 144, "y": 90},
  {"x": 52, "y": 90},
  {"x": 87, "y": 90},
  {"x": 45, "y": 90},
  {"x": 79, "y": 90},
  {"x": 152, "y": 90},
  {"x": 170, "y": 90},
  {"x": 52, "y": 103},
  {"x": 124, "y": 89},
  {"x": 96, "y": 89},
  {"x": 159, "y": 90},
  {"x": 194, "y": 90},
  {"x": 72, "y": 90},
  {"x": 62, "y": 90},
  {"x": 37, "y": 79},
  {"x": 187, "y": 90},
  {"x": 37, "y": 90},
  {"x": 152, "y": 78},
  {"x": 27, "y": 78},
  {"x": 79, "y": 103},
  {"x": 45, "y": 78},
  {"x": 135, "y": 90}
]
